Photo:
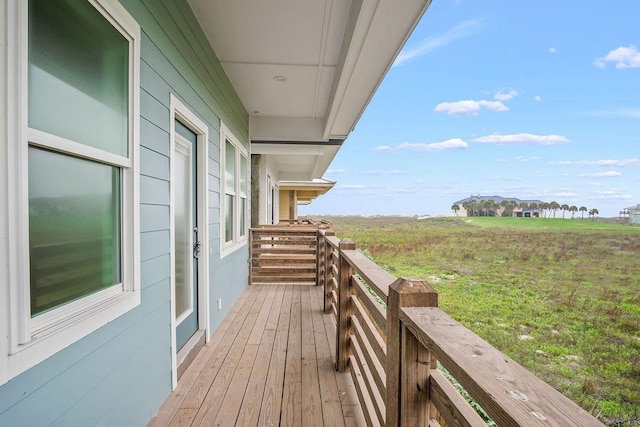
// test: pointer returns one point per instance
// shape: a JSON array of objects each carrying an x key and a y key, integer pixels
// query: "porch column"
[{"x": 256, "y": 160}]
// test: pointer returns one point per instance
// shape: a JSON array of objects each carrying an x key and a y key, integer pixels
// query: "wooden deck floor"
[{"x": 270, "y": 363}]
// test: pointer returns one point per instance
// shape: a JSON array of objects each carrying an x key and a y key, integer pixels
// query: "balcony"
[{"x": 324, "y": 336}]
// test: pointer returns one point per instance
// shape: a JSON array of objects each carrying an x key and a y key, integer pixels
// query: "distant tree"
[
  {"x": 509, "y": 206},
  {"x": 487, "y": 207},
  {"x": 583, "y": 209},
  {"x": 564, "y": 208},
  {"x": 573, "y": 209},
  {"x": 554, "y": 206},
  {"x": 475, "y": 208},
  {"x": 592, "y": 213},
  {"x": 505, "y": 206},
  {"x": 493, "y": 207},
  {"x": 455, "y": 208},
  {"x": 544, "y": 206}
]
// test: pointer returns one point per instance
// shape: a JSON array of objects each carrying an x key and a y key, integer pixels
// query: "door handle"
[{"x": 196, "y": 249}]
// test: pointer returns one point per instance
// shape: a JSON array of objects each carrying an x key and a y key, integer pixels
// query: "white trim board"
[{"x": 180, "y": 111}]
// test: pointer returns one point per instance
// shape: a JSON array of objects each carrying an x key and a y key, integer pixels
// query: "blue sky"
[{"x": 534, "y": 100}]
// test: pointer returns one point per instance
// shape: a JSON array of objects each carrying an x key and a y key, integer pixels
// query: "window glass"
[
  {"x": 243, "y": 217},
  {"x": 230, "y": 167},
  {"x": 78, "y": 75},
  {"x": 183, "y": 230},
  {"x": 228, "y": 218},
  {"x": 243, "y": 175},
  {"x": 74, "y": 228}
]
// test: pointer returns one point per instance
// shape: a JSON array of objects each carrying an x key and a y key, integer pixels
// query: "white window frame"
[
  {"x": 237, "y": 241},
  {"x": 28, "y": 341}
]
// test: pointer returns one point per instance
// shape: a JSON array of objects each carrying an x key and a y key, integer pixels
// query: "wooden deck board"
[{"x": 269, "y": 363}]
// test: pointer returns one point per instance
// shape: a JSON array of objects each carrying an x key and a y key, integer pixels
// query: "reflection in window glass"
[
  {"x": 183, "y": 230},
  {"x": 228, "y": 218},
  {"x": 78, "y": 69},
  {"x": 243, "y": 176},
  {"x": 230, "y": 167},
  {"x": 74, "y": 228}
]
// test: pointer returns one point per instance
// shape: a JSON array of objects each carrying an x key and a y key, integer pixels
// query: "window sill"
[{"x": 232, "y": 247}]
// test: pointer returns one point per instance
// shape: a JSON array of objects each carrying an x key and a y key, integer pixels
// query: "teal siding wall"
[{"x": 121, "y": 374}]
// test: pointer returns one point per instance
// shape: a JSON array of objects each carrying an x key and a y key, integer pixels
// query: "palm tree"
[
  {"x": 592, "y": 213},
  {"x": 554, "y": 206},
  {"x": 487, "y": 206},
  {"x": 544, "y": 206},
  {"x": 475, "y": 208},
  {"x": 455, "y": 208},
  {"x": 564, "y": 208},
  {"x": 505, "y": 205},
  {"x": 583, "y": 209},
  {"x": 573, "y": 209}
]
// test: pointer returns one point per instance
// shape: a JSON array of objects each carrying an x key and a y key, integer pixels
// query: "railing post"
[
  {"x": 343, "y": 330},
  {"x": 327, "y": 274},
  {"x": 407, "y": 397}
]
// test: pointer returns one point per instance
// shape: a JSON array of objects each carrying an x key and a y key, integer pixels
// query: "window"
[
  {"x": 74, "y": 184},
  {"x": 235, "y": 202}
]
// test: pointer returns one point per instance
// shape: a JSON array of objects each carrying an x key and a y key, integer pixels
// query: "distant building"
[
  {"x": 634, "y": 214},
  {"x": 523, "y": 208}
]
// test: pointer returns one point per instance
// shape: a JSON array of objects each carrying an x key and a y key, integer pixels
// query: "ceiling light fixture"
[{"x": 279, "y": 78}]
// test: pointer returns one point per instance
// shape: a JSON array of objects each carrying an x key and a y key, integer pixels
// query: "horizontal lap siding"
[{"x": 120, "y": 374}]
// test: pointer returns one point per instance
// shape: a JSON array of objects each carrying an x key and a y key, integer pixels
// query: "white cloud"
[
  {"x": 469, "y": 107},
  {"x": 522, "y": 138},
  {"x": 623, "y": 57},
  {"x": 450, "y": 144},
  {"x": 622, "y": 112},
  {"x": 553, "y": 50},
  {"x": 384, "y": 172},
  {"x": 565, "y": 194},
  {"x": 384, "y": 148},
  {"x": 430, "y": 44},
  {"x": 610, "y": 194},
  {"x": 505, "y": 96},
  {"x": 537, "y": 98},
  {"x": 621, "y": 163},
  {"x": 405, "y": 190},
  {"x": 352, "y": 187},
  {"x": 507, "y": 178},
  {"x": 608, "y": 174},
  {"x": 527, "y": 159},
  {"x": 335, "y": 171}
]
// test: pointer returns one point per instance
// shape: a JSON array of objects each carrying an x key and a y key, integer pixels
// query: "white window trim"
[
  {"x": 26, "y": 342},
  {"x": 238, "y": 241}
]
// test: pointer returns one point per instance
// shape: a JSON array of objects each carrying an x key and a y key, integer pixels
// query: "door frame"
[{"x": 181, "y": 112}]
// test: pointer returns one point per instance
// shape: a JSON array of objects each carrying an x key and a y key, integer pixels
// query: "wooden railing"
[
  {"x": 390, "y": 335},
  {"x": 284, "y": 253}
]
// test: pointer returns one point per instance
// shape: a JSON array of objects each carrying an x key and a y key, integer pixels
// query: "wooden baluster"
[
  {"x": 343, "y": 329},
  {"x": 407, "y": 401},
  {"x": 328, "y": 270},
  {"x": 320, "y": 258}
]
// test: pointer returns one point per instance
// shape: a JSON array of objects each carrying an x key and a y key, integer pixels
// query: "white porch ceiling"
[{"x": 306, "y": 69}]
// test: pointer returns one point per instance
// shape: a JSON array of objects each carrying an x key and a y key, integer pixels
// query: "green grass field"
[{"x": 561, "y": 297}]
